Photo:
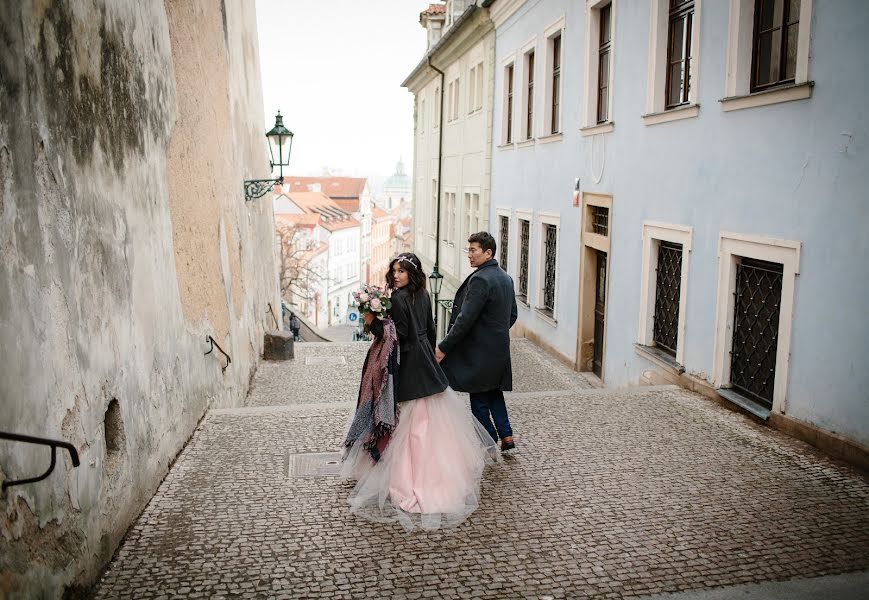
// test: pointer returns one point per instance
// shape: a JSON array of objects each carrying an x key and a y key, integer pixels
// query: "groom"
[{"x": 475, "y": 354}]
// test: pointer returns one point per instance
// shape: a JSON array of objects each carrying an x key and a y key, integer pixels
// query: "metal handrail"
[
  {"x": 272, "y": 312},
  {"x": 213, "y": 344},
  {"x": 55, "y": 444}
]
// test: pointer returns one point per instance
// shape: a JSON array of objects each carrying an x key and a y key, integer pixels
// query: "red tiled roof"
[
  {"x": 434, "y": 9},
  {"x": 327, "y": 212},
  {"x": 349, "y": 205},
  {"x": 339, "y": 225},
  {"x": 379, "y": 213},
  {"x": 334, "y": 187},
  {"x": 302, "y": 220}
]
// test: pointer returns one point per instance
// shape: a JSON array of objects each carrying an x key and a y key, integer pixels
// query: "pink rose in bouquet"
[{"x": 372, "y": 299}]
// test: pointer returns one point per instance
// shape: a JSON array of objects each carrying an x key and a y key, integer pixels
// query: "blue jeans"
[{"x": 484, "y": 404}]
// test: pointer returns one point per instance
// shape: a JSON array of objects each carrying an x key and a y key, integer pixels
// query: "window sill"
[
  {"x": 661, "y": 359},
  {"x": 521, "y": 301},
  {"x": 507, "y": 146},
  {"x": 526, "y": 143},
  {"x": 553, "y": 137},
  {"x": 607, "y": 127},
  {"x": 738, "y": 399},
  {"x": 799, "y": 91},
  {"x": 541, "y": 312},
  {"x": 674, "y": 114}
]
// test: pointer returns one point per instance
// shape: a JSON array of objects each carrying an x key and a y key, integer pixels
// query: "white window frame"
[
  {"x": 590, "y": 126},
  {"x": 524, "y": 214},
  {"x": 480, "y": 86},
  {"x": 436, "y": 109},
  {"x": 656, "y": 84},
  {"x": 508, "y": 62},
  {"x": 555, "y": 29},
  {"x": 740, "y": 36},
  {"x": 472, "y": 90},
  {"x": 530, "y": 46},
  {"x": 731, "y": 247},
  {"x": 422, "y": 116},
  {"x": 653, "y": 234},
  {"x": 544, "y": 219},
  {"x": 504, "y": 211}
]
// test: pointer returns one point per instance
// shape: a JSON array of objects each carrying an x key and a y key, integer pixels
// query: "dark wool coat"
[
  {"x": 419, "y": 374},
  {"x": 477, "y": 345}
]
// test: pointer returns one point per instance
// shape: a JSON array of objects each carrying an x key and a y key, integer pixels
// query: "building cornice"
[
  {"x": 466, "y": 31},
  {"x": 504, "y": 9}
]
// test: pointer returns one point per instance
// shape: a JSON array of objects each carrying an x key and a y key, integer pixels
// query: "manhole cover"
[
  {"x": 325, "y": 360},
  {"x": 324, "y": 464}
]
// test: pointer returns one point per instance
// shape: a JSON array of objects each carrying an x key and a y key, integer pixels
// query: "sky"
[{"x": 334, "y": 69}]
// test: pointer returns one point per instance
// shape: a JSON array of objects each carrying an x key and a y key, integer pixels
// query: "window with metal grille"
[
  {"x": 509, "y": 138},
  {"x": 668, "y": 283},
  {"x": 529, "y": 113},
  {"x": 603, "y": 63},
  {"x": 550, "y": 242},
  {"x": 774, "y": 48},
  {"x": 599, "y": 221},
  {"x": 681, "y": 24},
  {"x": 504, "y": 227},
  {"x": 757, "y": 304},
  {"x": 556, "y": 81},
  {"x": 524, "y": 238}
]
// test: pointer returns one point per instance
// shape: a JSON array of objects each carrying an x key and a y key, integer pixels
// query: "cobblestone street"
[{"x": 609, "y": 494}]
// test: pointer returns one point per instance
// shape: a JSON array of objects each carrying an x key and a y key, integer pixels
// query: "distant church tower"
[{"x": 398, "y": 188}]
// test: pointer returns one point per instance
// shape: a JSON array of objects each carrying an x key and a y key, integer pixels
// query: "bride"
[{"x": 414, "y": 449}]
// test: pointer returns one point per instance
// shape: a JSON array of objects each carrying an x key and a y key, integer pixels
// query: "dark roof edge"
[{"x": 446, "y": 37}]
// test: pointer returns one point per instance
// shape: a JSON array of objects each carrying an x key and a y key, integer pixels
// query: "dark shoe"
[{"x": 507, "y": 444}]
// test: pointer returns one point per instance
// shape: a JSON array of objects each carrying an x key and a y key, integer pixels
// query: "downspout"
[{"x": 440, "y": 165}]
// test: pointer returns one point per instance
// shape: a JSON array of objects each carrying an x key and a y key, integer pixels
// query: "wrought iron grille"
[
  {"x": 755, "y": 329},
  {"x": 551, "y": 239},
  {"x": 600, "y": 220},
  {"x": 667, "y": 287},
  {"x": 504, "y": 224},
  {"x": 524, "y": 235}
]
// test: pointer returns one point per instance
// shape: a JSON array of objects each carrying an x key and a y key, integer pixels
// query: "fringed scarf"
[{"x": 376, "y": 409}]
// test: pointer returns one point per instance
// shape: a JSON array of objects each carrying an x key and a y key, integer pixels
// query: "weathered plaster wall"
[{"x": 126, "y": 129}]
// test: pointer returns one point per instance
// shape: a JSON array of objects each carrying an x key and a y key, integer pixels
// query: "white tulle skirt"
[{"x": 429, "y": 475}]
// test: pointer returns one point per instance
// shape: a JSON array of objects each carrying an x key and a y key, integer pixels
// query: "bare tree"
[{"x": 295, "y": 264}]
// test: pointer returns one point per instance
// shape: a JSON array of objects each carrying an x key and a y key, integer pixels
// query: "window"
[
  {"x": 479, "y": 103},
  {"x": 555, "y": 84},
  {"x": 667, "y": 294},
  {"x": 680, "y": 29},
  {"x": 754, "y": 315},
  {"x": 508, "y": 109},
  {"x": 550, "y": 247},
  {"x": 456, "y": 99},
  {"x": 598, "y": 85},
  {"x": 468, "y": 215},
  {"x": 524, "y": 241},
  {"x": 472, "y": 90},
  {"x": 663, "y": 302},
  {"x": 529, "y": 95},
  {"x": 450, "y": 101},
  {"x": 437, "y": 107},
  {"x": 450, "y": 220},
  {"x": 503, "y": 241},
  {"x": 434, "y": 206},
  {"x": 774, "y": 48},
  {"x": 674, "y": 45},
  {"x": 603, "y": 70},
  {"x": 422, "y": 116},
  {"x": 767, "y": 51}
]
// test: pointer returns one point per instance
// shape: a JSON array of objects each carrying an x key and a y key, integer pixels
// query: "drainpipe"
[
  {"x": 440, "y": 161},
  {"x": 440, "y": 170}
]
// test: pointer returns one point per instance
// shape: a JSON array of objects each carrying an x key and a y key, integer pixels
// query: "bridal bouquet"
[{"x": 373, "y": 299}]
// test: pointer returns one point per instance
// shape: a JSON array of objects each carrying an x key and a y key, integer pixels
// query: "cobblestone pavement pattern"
[{"x": 609, "y": 494}]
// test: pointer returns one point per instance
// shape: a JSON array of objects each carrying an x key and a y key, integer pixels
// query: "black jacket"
[
  {"x": 477, "y": 345},
  {"x": 419, "y": 374}
]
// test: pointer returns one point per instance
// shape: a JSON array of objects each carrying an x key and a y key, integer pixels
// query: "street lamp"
[
  {"x": 436, "y": 280},
  {"x": 280, "y": 145}
]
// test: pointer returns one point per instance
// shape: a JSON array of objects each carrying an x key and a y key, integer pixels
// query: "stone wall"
[{"x": 126, "y": 130}]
